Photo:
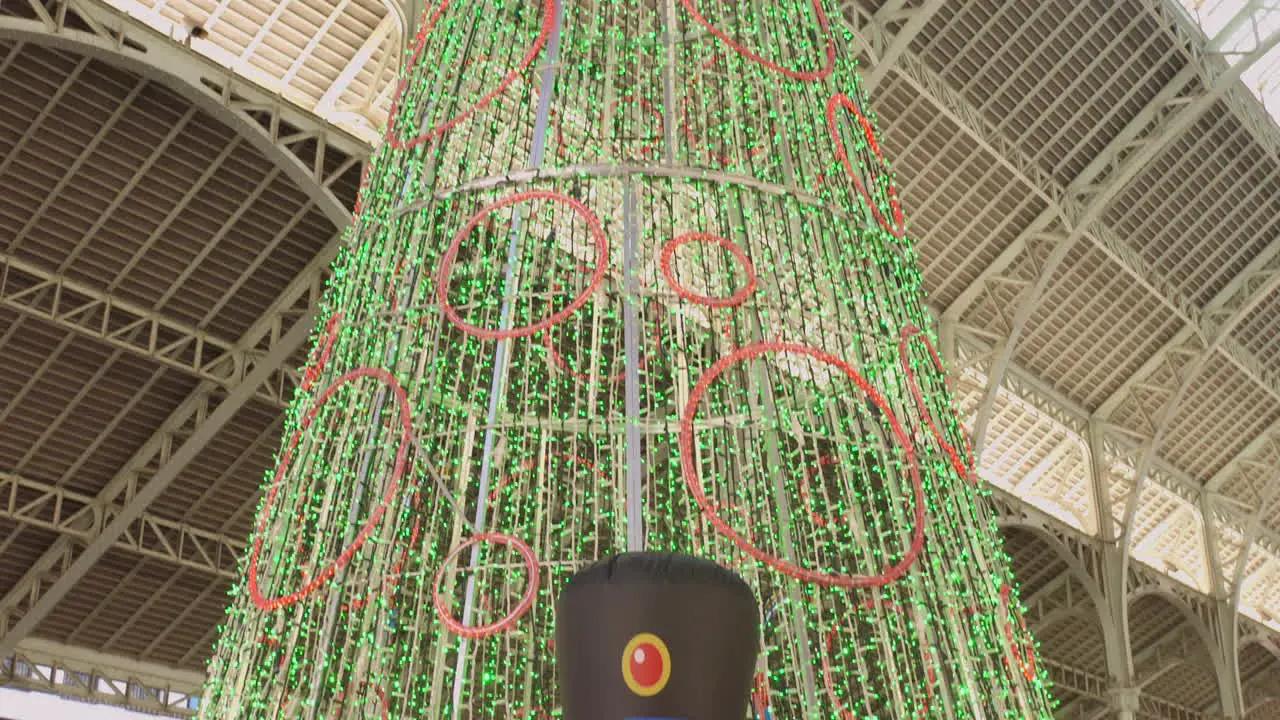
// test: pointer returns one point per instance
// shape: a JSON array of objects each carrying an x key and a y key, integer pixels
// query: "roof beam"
[
  {"x": 189, "y": 427},
  {"x": 101, "y": 678},
  {"x": 1249, "y": 287},
  {"x": 329, "y": 101},
  {"x": 888, "y": 49},
  {"x": 1177, "y": 646},
  {"x": 1266, "y": 441},
  {"x": 77, "y": 515},
  {"x": 48, "y": 598},
  {"x": 313, "y": 42},
  {"x": 1173, "y": 110},
  {"x": 1235, "y": 312},
  {"x": 1030, "y": 392},
  {"x": 272, "y": 124},
  {"x": 92, "y": 312},
  {"x": 81, "y": 158},
  {"x": 1251, "y": 532},
  {"x": 1081, "y": 206}
]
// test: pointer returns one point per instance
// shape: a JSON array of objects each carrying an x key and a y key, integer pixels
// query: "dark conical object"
[{"x": 656, "y": 636}]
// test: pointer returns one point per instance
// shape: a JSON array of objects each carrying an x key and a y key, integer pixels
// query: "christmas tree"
[{"x": 626, "y": 274}]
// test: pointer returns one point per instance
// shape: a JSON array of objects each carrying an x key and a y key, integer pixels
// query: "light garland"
[{"x": 612, "y": 283}]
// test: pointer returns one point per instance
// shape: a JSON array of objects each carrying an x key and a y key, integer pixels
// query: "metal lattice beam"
[
  {"x": 275, "y": 127},
  {"x": 162, "y": 457},
  {"x": 100, "y": 678},
  {"x": 330, "y": 99},
  {"x": 892, "y": 29},
  {"x": 78, "y": 516},
  {"x": 101, "y": 315},
  {"x": 45, "y": 599},
  {"x": 1173, "y": 110}
]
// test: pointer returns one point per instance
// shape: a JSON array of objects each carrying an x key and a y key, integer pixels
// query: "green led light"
[{"x": 788, "y": 318}]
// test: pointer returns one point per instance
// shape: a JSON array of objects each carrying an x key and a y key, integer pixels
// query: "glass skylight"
[{"x": 1236, "y": 27}]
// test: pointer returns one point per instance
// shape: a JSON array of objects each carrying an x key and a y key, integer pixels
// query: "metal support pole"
[
  {"x": 500, "y": 353},
  {"x": 631, "y": 337}
]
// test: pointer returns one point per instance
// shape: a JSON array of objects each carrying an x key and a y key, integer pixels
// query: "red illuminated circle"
[
  {"x": 424, "y": 30},
  {"x": 451, "y": 255},
  {"x": 475, "y": 632},
  {"x": 316, "y": 364},
  {"x": 326, "y": 574},
  {"x": 646, "y": 665},
  {"x": 1024, "y": 652},
  {"x": 838, "y": 101},
  {"x": 963, "y": 465},
  {"x": 823, "y": 25},
  {"x": 693, "y": 479},
  {"x": 739, "y": 297}
]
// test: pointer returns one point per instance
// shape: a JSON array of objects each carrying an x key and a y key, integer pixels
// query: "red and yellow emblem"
[{"x": 646, "y": 665}]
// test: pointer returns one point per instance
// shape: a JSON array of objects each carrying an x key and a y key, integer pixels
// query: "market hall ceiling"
[{"x": 1092, "y": 191}]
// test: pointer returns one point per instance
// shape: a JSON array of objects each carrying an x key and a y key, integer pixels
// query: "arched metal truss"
[
  {"x": 272, "y": 126},
  {"x": 231, "y": 372},
  {"x": 1124, "y": 429}
]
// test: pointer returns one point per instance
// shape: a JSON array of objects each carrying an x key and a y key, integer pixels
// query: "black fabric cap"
[
  {"x": 704, "y": 616},
  {"x": 655, "y": 567}
]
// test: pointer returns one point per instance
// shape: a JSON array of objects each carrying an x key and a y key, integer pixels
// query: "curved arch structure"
[{"x": 269, "y": 124}]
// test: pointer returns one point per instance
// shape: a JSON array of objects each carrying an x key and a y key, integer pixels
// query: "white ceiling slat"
[{"x": 380, "y": 34}]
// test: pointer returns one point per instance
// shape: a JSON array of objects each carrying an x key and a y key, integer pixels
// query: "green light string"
[{"x": 806, "y": 467}]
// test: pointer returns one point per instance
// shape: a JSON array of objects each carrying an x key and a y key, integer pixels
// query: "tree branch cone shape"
[{"x": 623, "y": 274}]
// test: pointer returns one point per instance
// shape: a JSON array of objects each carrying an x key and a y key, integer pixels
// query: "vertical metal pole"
[
  {"x": 631, "y": 337},
  {"x": 501, "y": 352},
  {"x": 669, "y": 84}
]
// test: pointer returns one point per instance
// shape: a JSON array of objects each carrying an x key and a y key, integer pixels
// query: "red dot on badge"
[{"x": 646, "y": 665}]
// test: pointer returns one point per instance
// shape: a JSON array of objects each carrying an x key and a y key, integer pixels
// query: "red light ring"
[
  {"x": 526, "y": 602},
  {"x": 1023, "y": 652},
  {"x": 810, "y": 76},
  {"x": 693, "y": 480},
  {"x": 450, "y": 255},
  {"x": 328, "y": 338},
  {"x": 420, "y": 41},
  {"x": 839, "y": 100},
  {"x": 393, "y": 486},
  {"x": 734, "y": 300},
  {"x": 964, "y": 466}
]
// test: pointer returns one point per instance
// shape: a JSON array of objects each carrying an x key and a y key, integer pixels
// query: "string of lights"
[{"x": 626, "y": 274}]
